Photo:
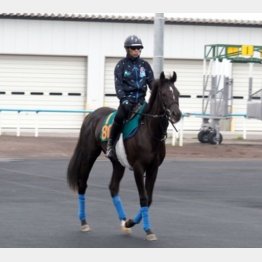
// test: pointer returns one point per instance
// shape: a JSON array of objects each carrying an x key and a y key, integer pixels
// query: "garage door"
[
  {"x": 189, "y": 83},
  {"x": 190, "y": 86},
  {"x": 240, "y": 94},
  {"x": 43, "y": 82}
]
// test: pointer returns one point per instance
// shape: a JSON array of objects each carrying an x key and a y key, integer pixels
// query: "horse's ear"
[
  {"x": 162, "y": 76},
  {"x": 174, "y": 77}
]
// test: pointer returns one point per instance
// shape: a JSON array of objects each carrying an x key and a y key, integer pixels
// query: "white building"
[{"x": 62, "y": 62}]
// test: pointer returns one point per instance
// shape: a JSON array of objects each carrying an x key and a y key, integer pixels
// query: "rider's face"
[{"x": 134, "y": 51}]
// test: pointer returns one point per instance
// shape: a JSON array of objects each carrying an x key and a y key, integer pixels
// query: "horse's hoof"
[
  {"x": 129, "y": 223},
  {"x": 151, "y": 237},
  {"x": 85, "y": 228},
  {"x": 125, "y": 229}
]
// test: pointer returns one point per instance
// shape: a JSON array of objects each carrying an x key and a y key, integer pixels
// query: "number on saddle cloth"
[{"x": 130, "y": 127}]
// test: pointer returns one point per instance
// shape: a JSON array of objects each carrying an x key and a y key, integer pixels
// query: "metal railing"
[
  {"x": 36, "y": 111},
  {"x": 177, "y": 137}
]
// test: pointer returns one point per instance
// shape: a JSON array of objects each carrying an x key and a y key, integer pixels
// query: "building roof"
[{"x": 131, "y": 19}]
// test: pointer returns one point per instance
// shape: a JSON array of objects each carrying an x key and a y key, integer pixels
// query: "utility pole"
[{"x": 158, "y": 60}]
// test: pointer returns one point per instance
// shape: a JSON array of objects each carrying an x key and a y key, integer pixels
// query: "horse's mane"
[{"x": 153, "y": 95}]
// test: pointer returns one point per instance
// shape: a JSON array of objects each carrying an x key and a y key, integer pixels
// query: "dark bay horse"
[{"x": 145, "y": 152}]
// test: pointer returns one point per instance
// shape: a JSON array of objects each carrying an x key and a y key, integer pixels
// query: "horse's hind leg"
[
  {"x": 118, "y": 172},
  {"x": 85, "y": 168}
]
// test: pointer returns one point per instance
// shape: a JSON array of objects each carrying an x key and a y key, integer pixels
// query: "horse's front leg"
[
  {"x": 144, "y": 204},
  {"x": 118, "y": 172},
  {"x": 151, "y": 175}
]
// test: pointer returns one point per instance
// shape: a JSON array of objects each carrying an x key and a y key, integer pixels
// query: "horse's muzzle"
[
  {"x": 176, "y": 117},
  {"x": 175, "y": 114}
]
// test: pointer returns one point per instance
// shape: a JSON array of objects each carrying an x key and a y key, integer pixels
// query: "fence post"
[
  {"x": 181, "y": 131},
  {"x": 0, "y": 123},
  {"x": 18, "y": 124},
  {"x": 173, "y": 137},
  {"x": 36, "y": 124},
  {"x": 244, "y": 128}
]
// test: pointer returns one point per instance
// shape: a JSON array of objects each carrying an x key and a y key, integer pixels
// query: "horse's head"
[{"x": 169, "y": 96}]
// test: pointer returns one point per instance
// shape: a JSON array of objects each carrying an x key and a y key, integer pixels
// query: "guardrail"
[
  {"x": 176, "y": 136},
  {"x": 36, "y": 111},
  {"x": 180, "y": 135}
]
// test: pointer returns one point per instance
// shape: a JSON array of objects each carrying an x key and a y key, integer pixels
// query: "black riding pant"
[{"x": 123, "y": 113}]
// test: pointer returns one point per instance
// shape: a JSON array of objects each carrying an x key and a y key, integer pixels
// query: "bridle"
[
  {"x": 166, "y": 113},
  {"x": 166, "y": 110}
]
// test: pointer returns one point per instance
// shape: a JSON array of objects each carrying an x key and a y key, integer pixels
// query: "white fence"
[{"x": 176, "y": 136}]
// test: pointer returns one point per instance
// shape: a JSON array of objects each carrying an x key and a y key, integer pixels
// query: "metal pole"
[
  {"x": 0, "y": 123},
  {"x": 244, "y": 128},
  {"x": 250, "y": 81},
  {"x": 158, "y": 59}
]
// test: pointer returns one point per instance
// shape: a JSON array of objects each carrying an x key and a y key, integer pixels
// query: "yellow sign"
[
  {"x": 232, "y": 50},
  {"x": 247, "y": 50}
]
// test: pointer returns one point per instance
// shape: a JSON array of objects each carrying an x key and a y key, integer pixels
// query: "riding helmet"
[{"x": 133, "y": 40}]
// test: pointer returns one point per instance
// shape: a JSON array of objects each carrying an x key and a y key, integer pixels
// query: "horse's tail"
[{"x": 73, "y": 168}]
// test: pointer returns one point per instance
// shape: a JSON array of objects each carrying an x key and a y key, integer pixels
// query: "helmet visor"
[{"x": 136, "y": 47}]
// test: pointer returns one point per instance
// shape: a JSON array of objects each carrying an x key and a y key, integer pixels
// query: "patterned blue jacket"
[{"x": 132, "y": 77}]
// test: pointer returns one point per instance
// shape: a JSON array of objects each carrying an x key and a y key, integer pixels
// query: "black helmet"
[{"x": 133, "y": 40}]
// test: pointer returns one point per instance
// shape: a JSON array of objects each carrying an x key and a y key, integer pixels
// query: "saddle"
[{"x": 130, "y": 127}]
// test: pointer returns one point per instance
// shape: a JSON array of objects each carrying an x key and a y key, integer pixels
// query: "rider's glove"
[
  {"x": 127, "y": 106},
  {"x": 125, "y": 102}
]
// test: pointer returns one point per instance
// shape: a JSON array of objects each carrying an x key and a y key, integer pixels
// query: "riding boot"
[{"x": 114, "y": 133}]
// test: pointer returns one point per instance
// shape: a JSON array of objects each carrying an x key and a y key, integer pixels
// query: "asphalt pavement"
[{"x": 197, "y": 204}]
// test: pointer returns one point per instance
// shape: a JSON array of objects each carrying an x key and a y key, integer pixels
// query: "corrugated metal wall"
[
  {"x": 42, "y": 82},
  {"x": 183, "y": 51}
]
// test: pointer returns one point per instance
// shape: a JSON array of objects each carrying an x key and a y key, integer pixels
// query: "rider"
[{"x": 132, "y": 76}]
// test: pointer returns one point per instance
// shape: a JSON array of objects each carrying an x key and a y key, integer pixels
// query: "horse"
[{"x": 145, "y": 152}]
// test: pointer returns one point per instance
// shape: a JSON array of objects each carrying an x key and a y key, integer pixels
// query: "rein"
[
  {"x": 158, "y": 116},
  {"x": 152, "y": 115},
  {"x": 172, "y": 125}
]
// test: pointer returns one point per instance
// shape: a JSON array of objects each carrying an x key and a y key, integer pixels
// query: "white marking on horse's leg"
[{"x": 125, "y": 229}]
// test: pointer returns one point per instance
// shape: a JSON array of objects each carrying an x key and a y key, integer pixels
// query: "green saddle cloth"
[{"x": 130, "y": 127}]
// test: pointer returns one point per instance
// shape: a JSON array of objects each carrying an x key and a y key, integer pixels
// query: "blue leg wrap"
[
  {"x": 137, "y": 219},
  {"x": 145, "y": 215},
  {"x": 119, "y": 207},
  {"x": 81, "y": 206}
]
